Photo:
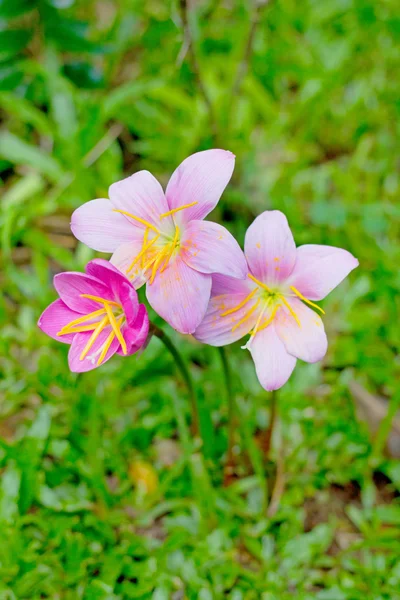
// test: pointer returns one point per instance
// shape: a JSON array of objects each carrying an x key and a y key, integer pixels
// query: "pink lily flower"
[
  {"x": 271, "y": 303},
  {"x": 98, "y": 314},
  {"x": 162, "y": 239}
]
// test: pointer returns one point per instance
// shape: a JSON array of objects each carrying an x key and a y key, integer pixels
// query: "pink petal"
[
  {"x": 273, "y": 364},
  {"x": 319, "y": 269},
  {"x": 108, "y": 274},
  {"x": 201, "y": 178},
  {"x": 210, "y": 248},
  {"x": 130, "y": 303},
  {"x": 269, "y": 247},
  {"x": 217, "y": 330},
  {"x": 70, "y": 287},
  {"x": 54, "y": 318},
  {"x": 123, "y": 258},
  {"x": 90, "y": 361},
  {"x": 99, "y": 227},
  {"x": 136, "y": 335},
  {"x": 142, "y": 196},
  {"x": 307, "y": 342},
  {"x": 221, "y": 284},
  {"x": 180, "y": 295}
]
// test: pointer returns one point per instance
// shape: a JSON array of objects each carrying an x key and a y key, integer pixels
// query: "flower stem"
[
  {"x": 266, "y": 441},
  {"x": 180, "y": 363},
  {"x": 230, "y": 461}
]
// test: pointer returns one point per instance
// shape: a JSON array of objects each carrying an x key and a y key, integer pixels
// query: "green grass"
[{"x": 315, "y": 128}]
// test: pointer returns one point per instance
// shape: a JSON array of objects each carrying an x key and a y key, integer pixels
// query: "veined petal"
[
  {"x": 142, "y": 196},
  {"x": 210, "y": 248},
  {"x": 136, "y": 335},
  {"x": 108, "y": 274},
  {"x": 269, "y": 247},
  {"x": 123, "y": 258},
  {"x": 218, "y": 330},
  {"x": 90, "y": 361},
  {"x": 274, "y": 365},
  {"x": 70, "y": 287},
  {"x": 180, "y": 295},
  {"x": 54, "y": 318},
  {"x": 307, "y": 342},
  {"x": 99, "y": 227},
  {"x": 222, "y": 284},
  {"x": 319, "y": 269},
  {"x": 200, "y": 178}
]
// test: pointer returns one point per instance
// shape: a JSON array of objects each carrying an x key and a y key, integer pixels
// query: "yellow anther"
[
  {"x": 240, "y": 305},
  {"x": 290, "y": 309},
  {"x": 100, "y": 300},
  {"x": 94, "y": 337},
  {"x": 92, "y": 315},
  {"x": 108, "y": 343},
  {"x": 175, "y": 210},
  {"x": 170, "y": 252},
  {"x": 260, "y": 283},
  {"x": 269, "y": 321},
  {"x": 135, "y": 218},
  {"x": 247, "y": 315},
  {"x": 142, "y": 253},
  {"x": 115, "y": 327},
  {"x": 157, "y": 263},
  {"x": 300, "y": 295}
]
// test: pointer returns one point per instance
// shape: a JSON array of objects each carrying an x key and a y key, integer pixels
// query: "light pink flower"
[
  {"x": 270, "y": 303},
  {"x": 98, "y": 313},
  {"x": 162, "y": 239}
]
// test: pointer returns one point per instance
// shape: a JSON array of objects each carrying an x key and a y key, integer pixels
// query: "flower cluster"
[{"x": 197, "y": 277}]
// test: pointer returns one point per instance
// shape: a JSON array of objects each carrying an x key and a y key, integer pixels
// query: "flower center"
[
  {"x": 111, "y": 314},
  {"x": 154, "y": 258}
]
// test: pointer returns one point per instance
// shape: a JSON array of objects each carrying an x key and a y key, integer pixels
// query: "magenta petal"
[
  {"x": 269, "y": 247},
  {"x": 99, "y": 227},
  {"x": 130, "y": 303},
  {"x": 307, "y": 342},
  {"x": 274, "y": 365},
  {"x": 54, "y": 318},
  {"x": 70, "y": 287},
  {"x": 136, "y": 335},
  {"x": 180, "y": 295},
  {"x": 90, "y": 361},
  {"x": 141, "y": 195},
  {"x": 210, "y": 248},
  {"x": 218, "y": 330},
  {"x": 123, "y": 258},
  {"x": 201, "y": 178},
  {"x": 319, "y": 269},
  {"x": 108, "y": 274}
]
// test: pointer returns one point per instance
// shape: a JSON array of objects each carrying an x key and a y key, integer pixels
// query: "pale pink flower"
[
  {"x": 271, "y": 303},
  {"x": 98, "y": 314},
  {"x": 162, "y": 239}
]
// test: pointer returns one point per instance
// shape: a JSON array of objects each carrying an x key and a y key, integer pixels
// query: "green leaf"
[
  {"x": 20, "y": 152},
  {"x": 14, "y": 8},
  {"x": 9, "y": 493},
  {"x": 13, "y": 41}
]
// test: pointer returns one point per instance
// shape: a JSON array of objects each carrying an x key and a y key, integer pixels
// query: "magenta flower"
[
  {"x": 270, "y": 303},
  {"x": 162, "y": 239},
  {"x": 98, "y": 313}
]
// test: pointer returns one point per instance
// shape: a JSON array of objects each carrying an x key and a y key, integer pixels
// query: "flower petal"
[
  {"x": 70, "y": 287},
  {"x": 108, "y": 274},
  {"x": 90, "y": 361},
  {"x": 136, "y": 335},
  {"x": 218, "y": 330},
  {"x": 123, "y": 258},
  {"x": 142, "y": 196},
  {"x": 222, "y": 284},
  {"x": 319, "y": 269},
  {"x": 274, "y": 365},
  {"x": 54, "y": 318},
  {"x": 180, "y": 295},
  {"x": 99, "y": 227},
  {"x": 307, "y": 342},
  {"x": 201, "y": 178},
  {"x": 210, "y": 248},
  {"x": 269, "y": 247}
]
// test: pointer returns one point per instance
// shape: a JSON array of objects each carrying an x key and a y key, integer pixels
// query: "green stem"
[
  {"x": 180, "y": 363},
  {"x": 267, "y": 437},
  {"x": 230, "y": 462}
]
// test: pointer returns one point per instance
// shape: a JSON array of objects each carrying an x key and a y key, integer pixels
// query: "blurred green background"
[{"x": 99, "y": 499}]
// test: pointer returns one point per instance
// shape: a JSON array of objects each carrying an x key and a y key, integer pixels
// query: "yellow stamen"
[
  {"x": 142, "y": 253},
  {"x": 258, "y": 282},
  {"x": 81, "y": 329},
  {"x": 108, "y": 343},
  {"x": 256, "y": 327},
  {"x": 240, "y": 305},
  {"x": 149, "y": 225},
  {"x": 115, "y": 327},
  {"x": 175, "y": 210},
  {"x": 247, "y": 315},
  {"x": 269, "y": 321},
  {"x": 290, "y": 309},
  {"x": 94, "y": 337},
  {"x": 92, "y": 315},
  {"x": 145, "y": 238},
  {"x": 300, "y": 295},
  {"x": 101, "y": 300},
  {"x": 173, "y": 246},
  {"x": 157, "y": 263}
]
